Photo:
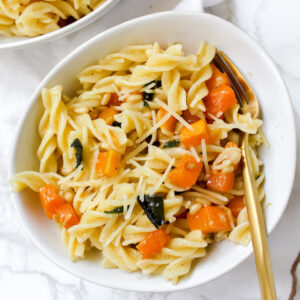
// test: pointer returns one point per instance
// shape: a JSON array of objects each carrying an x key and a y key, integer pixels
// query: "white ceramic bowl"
[
  {"x": 15, "y": 42},
  {"x": 165, "y": 28}
]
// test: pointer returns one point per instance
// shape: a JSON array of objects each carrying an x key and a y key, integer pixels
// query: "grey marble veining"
[{"x": 26, "y": 274}]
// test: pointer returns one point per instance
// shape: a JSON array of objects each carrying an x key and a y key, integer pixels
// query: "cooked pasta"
[
  {"x": 142, "y": 163},
  {"x": 33, "y": 18}
]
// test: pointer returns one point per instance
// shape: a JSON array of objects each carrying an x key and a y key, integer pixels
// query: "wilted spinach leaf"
[
  {"x": 117, "y": 210},
  {"x": 171, "y": 144},
  {"x": 78, "y": 152},
  {"x": 116, "y": 124},
  {"x": 146, "y": 104},
  {"x": 153, "y": 206},
  {"x": 149, "y": 96},
  {"x": 156, "y": 84}
]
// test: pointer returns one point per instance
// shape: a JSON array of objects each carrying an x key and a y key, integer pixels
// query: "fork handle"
[{"x": 257, "y": 228}]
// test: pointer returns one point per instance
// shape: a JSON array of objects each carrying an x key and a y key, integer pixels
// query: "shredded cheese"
[
  {"x": 124, "y": 95},
  {"x": 164, "y": 176},
  {"x": 142, "y": 192},
  {"x": 213, "y": 117},
  {"x": 114, "y": 180},
  {"x": 71, "y": 175},
  {"x": 149, "y": 88},
  {"x": 213, "y": 148},
  {"x": 154, "y": 128},
  {"x": 204, "y": 155},
  {"x": 93, "y": 173},
  {"x": 149, "y": 171},
  {"x": 195, "y": 154},
  {"x": 83, "y": 183},
  {"x": 133, "y": 199},
  {"x": 174, "y": 114},
  {"x": 116, "y": 89},
  {"x": 134, "y": 152},
  {"x": 219, "y": 114},
  {"x": 153, "y": 137},
  {"x": 140, "y": 158},
  {"x": 212, "y": 195},
  {"x": 95, "y": 147},
  {"x": 115, "y": 233},
  {"x": 125, "y": 198}
]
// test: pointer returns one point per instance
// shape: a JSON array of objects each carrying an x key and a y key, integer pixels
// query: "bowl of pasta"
[
  {"x": 126, "y": 166},
  {"x": 26, "y": 23}
]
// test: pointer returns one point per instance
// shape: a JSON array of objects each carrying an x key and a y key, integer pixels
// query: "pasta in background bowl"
[
  {"x": 24, "y": 23},
  {"x": 147, "y": 30}
]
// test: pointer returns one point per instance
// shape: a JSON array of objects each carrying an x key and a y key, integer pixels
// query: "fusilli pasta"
[
  {"x": 124, "y": 156},
  {"x": 33, "y": 18}
]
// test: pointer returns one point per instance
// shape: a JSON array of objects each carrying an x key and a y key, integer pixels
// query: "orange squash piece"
[
  {"x": 219, "y": 100},
  {"x": 186, "y": 172},
  {"x": 209, "y": 219},
  {"x": 50, "y": 200},
  {"x": 114, "y": 100},
  {"x": 108, "y": 115},
  {"x": 170, "y": 124},
  {"x": 189, "y": 117},
  {"x": 217, "y": 79},
  {"x": 194, "y": 137},
  {"x": 108, "y": 163},
  {"x": 236, "y": 205},
  {"x": 153, "y": 243},
  {"x": 221, "y": 182},
  {"x": 66, "y": 215}
]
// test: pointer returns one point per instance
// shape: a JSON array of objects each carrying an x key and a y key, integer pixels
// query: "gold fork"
[{"x": 249, "y": 103}]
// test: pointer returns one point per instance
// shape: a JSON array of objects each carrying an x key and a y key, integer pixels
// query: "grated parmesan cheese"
[
  {"x": 154, "y": 128},
  {"x": 142, "y": 191},
  {"x": 164, "y": 176},
  {"x": 133, "y": 199},
  {"x": 204, "y": 155},
  {"x": 213, "y": 117},
  {"x": 116, "y": 89},
  {"x": 134, "y": 152},
  {"x": 174, "y": 114},
  {"x": 150, "y": 172},
  {"x": 154, "y": 134},
  {"x": 212, "y": 196},
  {"x": 114, "y": 180},
  {"x": 74, "y": 174},
  {"x": 195, "y": 154}
]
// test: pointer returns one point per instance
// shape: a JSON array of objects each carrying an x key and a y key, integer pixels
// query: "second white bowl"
[{"x": 15, "y": 42}]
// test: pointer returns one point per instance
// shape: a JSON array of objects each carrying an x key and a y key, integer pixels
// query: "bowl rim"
[
  {"x": 63, "y": 31},
  {"x": 65, "y": 61}
]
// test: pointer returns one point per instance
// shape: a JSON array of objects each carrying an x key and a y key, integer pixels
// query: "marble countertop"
[{"x": 26, "y": 274}]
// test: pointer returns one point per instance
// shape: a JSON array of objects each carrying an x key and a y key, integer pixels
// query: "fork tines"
[{"x": 221, "y": 63}]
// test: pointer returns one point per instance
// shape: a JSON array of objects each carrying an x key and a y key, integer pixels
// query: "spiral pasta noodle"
[
  {"x": 34, "y": 18},
  {"x": 123, "y": 158}
]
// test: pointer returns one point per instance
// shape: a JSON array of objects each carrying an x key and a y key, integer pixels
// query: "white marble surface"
[{"x": 26, "y": 274}]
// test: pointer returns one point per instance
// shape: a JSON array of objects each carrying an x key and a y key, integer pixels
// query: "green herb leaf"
[
  {"x": 78, "y": 152},
  {"x": 146, "y": 104},
  {"x": 153, "y": 206},
  {"x": 147, "y": 96},
  {"x": 116, "y": 124},
  {"x": 117, "y": 210},
  {"x": 154, "y": 84},
  {"x": 171, "y": 144}
]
